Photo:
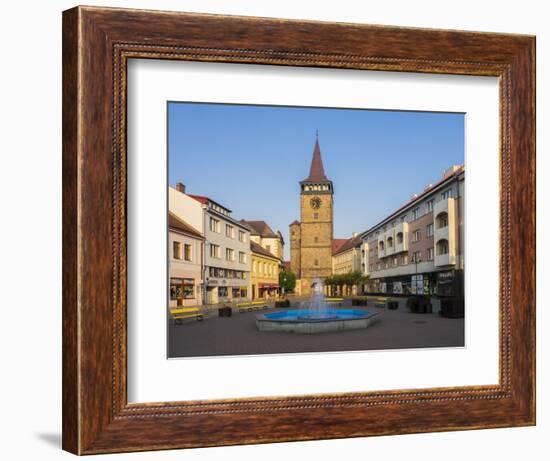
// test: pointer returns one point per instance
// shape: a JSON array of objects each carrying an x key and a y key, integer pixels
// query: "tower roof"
[{"x": 317, "y": 170}]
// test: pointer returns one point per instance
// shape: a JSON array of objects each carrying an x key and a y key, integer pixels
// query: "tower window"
[
  {"x": 316, "y": 239},
  {"x": 316, "y": 262},
  {"x": 315, "y": 215}
]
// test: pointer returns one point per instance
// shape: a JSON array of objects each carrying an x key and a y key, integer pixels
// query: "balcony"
[
  {"x": 401, "y": 237},
  {"x": 381, "y": 246},
  {"x": 390, "y": 242},
  {"x": 445, "y": 232}
]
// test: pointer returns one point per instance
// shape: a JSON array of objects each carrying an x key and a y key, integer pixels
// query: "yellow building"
[{"x": 264, "y": 274}]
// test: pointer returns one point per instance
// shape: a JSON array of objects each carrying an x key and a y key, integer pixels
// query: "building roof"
[
  {"x": 316, "y": 170},
  {"x": 180, "y": 225},
  {"x": 336, "y": 244},
  {"x": 294, "y": 223},
  {"x": 258, "y": 249},
  {"x": 348, "y": 244},
  {"x": 261, "y": 228},
  {"x": 204, "y": 200},
  {"x": 416, "y": 198}
]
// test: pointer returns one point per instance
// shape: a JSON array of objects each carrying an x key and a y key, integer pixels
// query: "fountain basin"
[{"x": 311, "y": 321}]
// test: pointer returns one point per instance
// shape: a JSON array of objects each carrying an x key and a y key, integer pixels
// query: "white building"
[{"x": 227, "y": 244}]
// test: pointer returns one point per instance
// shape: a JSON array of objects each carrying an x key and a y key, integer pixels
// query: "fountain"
[{"x": 315, "y": 316}]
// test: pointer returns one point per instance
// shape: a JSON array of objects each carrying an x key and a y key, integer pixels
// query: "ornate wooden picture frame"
[{"x": 97, "y": 44}]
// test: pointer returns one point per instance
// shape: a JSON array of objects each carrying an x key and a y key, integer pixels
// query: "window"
[
  {"x": 417, "y": 257},
  {"x": 390, "y": 242},
  {"x": 268, "y": 248},
  {"x": 182, "y": 288},
  {"x": 316, "y": 239},
  {"x": 255, "y": 266},
  {"x": 176, "y": 250},
  {"x": 381, "y": 246},
  {"x": 229, "y": 254},
  {"x": 430, "y": 254},
  {"x": 430, "y": 205},
  {"x": 229, "y": 231},
  {"x": 214, "y": 251},
  {"x": 446, "y": 194},
  {"x": 403, "y": 218},
  {"x": 416, "y": 235},
  {"x": 242, "y": 257},
  {"x": 214, "y": 225},
  {"x": 430, "y": 230},
  {"x": 315, "y": 215},
  {"x": 242, "y": 236},
  {"x": 395, "y": 261},
  {"x": 416, "y": 213},
  {"x": 187, "y": 252},
  {"x": 405, "y": 259},
  {"x": 316, "y": 262}
]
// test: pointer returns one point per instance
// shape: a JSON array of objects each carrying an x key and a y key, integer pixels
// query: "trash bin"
[
  {"x": 392, "y": 304},
  {"x": 225, "y": 311}
]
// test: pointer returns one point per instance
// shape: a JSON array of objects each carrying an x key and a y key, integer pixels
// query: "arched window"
[
  {"x": 441, "y": 220},
  {"x": 390, "y": 242},
  {"x": 442, "y": 247},
  {"x": 399, "y": 238},
  {"x": 381, "y": 246}
]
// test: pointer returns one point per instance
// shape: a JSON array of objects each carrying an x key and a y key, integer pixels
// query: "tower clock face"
[{"x": 315, "y": 203}]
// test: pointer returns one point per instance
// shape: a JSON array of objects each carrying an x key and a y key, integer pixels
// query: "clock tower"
[{"x": 311, "y": 238}]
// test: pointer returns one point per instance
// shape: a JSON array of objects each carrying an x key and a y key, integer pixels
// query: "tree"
[
  {"x": 350, "y": 279},
  {"x": 287, "y": 281}
]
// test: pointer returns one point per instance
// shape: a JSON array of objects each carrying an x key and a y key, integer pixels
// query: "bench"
[
  {"x": 334, "y": 301},
  {"x": 380, "y": 301},
  {"x": 181, "y": 313},
  {"x": 251, "y": 305}
]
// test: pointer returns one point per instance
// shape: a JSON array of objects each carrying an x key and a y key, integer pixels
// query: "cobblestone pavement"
[{"x": 237, "y": 335}]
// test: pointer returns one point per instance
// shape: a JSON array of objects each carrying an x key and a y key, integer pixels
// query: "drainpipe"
[{"x": 204, "y": 288}]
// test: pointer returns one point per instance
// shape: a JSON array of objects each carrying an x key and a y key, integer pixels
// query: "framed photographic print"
[{"x": 284, "y": 230}]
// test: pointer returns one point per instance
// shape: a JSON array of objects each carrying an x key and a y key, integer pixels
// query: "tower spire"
[{"x": 317, "y": 170}]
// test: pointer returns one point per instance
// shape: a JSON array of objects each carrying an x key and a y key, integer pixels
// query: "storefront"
[
  {"x": 223, "y": 290},
  {"x": 405, "y": 285},
  {"x": 183, "y": 290},
  {"x": 450, "y": 283},
  {"x": 268, "y": 290},
  {"x": 444, "y": 283}
]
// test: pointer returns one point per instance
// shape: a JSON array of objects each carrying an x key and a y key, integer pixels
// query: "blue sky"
[{"x": 251, "y": 158}]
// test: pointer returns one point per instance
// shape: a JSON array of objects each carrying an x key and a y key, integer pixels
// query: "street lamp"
[{"x": 416, "y": 261}]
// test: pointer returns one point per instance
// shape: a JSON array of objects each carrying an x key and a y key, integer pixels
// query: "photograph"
[{"x": 313, "y": 229}]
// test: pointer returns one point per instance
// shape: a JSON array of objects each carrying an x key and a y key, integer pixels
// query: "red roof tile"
[
  {"x": 317, "y": 170},
  {"x": 180, "y": 225},
  {"x": 200, "y": 198},
  {"x": 337, "y": 243},
  {"x": 348, "y": 244}
]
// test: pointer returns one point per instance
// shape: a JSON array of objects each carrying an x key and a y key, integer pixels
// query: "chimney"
[{"x": 180, "y": 187}]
